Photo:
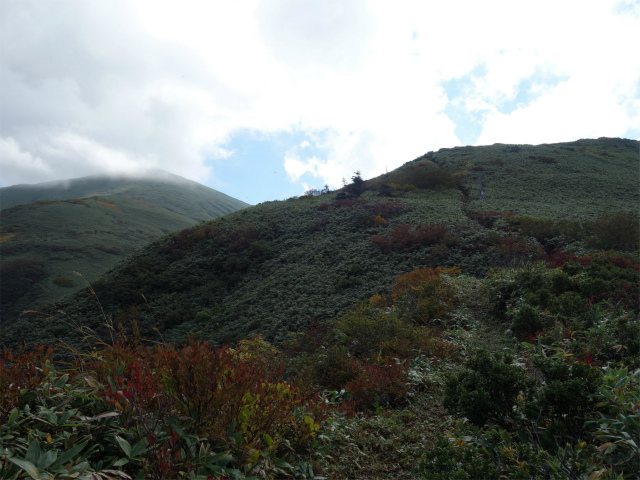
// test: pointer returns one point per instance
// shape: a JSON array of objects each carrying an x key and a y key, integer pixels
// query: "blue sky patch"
[
  {"x": 529, "y": 90},
  {"x": 255, "y": 171},
  {"x": 468, "y": 123}
]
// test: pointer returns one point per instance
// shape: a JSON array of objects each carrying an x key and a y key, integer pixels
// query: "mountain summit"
[{"x": 156, "y": 186}]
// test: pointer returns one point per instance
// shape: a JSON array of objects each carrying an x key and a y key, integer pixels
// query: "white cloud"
[
  {"x": 363, "y": 80},
  {"x": 568, "y": 110},
  {"x": 327, "y": 171},
  {"x": 16, "y": 164}
]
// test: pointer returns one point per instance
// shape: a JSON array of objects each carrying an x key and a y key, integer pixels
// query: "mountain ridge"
[
  {"x": 44, "y": 238},
  {"x": 120, "y": 185}
]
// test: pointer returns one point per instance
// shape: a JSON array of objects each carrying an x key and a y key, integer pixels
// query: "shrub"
[
  {"x": 401, "y": 238},
  {"x": 566, "y": 397},
  {"x": 333, "y": 368},
  {"x": 470, "y": 452},
  {"x": 354, "y": 189},
  {"x": 568, "y": 304},
  {"x": 423, "y": 295},
  {"x": 21, "y": 373},
  {"x": 378, "y": 383},
  {"x": 419, "y": 341},
  {"x": 526, "y": 322},
  {"x": 515, "y": 250},
  {"x": 180, "y": 245},
  {"x": 618, "y": 426},
  {"x": 364, "y": 328},
  {"x": 619, "y": 231},
  {"x": 486, "y": 389},
  {"x": 543, "y": 230},
  {"x": 308, "y": 341},
  {"x": 214, "y": 393},
  {"x": 379, "y": 221}
]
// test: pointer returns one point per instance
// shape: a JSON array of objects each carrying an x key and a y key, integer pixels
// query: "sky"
[{"x": 264, "y": 99}]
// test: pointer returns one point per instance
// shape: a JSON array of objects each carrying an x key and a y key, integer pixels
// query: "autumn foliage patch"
[{"x": 402, "y": 238}]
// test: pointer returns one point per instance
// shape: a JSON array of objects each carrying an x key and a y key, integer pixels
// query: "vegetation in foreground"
[{"x": 528, "y": 372}]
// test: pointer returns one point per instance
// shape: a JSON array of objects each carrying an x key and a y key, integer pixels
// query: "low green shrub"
[{"x": 487, "y": 389}]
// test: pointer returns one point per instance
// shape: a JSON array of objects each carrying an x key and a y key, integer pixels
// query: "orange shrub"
[
  {"x": 379, "y": 221},
  {"x": 422, "y": 295}
]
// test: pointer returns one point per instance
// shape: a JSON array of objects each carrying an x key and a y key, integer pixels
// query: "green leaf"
[
  {"x": 139, "y": 448},
  {"x": 126, "y": 447},
  {"x": 47, "y": 459},
  {"x": 62, "y": 381},
  {"x": 66, "y": 416},
  {"x": 79, "y": 468},
  {"x": 217, "y": 470},
  {"x": 202, "y": 454},
  {"x": 68, "y": 455},
  {"x": 50, "y": 416},
  {"x": 122, "y": 461},
  {"x": 33, "y": 452},
  {"x": 218, "y": 457},
  {"x": 27, "y": 466},
  {"x": 14, "y": 415},
  {"x": 621, "y": 381}
]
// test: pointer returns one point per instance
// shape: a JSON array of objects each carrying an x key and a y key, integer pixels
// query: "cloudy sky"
[{"x": 262, "y": 99}]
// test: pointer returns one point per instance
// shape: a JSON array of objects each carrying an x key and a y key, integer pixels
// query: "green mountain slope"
[
  {"x": 270, "y": 268},
  {"x": 160, "y": 188},
  {"x": 43, "y": 242}
]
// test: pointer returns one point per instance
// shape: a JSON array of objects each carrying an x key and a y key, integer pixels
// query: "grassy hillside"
[
  {"x": 43, "y": 242},
  {"x": 160, "y": 188},
  {"x": 271, "y": 268}
]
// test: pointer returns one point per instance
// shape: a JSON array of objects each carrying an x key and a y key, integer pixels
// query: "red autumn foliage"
[
  {"x": 20, "y": 373},
  {"x": 213, "y": 387},
  {"x": 557, "y": 258},
  {"x": 401, "y": 238},
  {"x": 378, "y": 383}
]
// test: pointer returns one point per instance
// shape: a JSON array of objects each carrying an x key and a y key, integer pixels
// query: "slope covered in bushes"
[{"x": 271, "y": 268}]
